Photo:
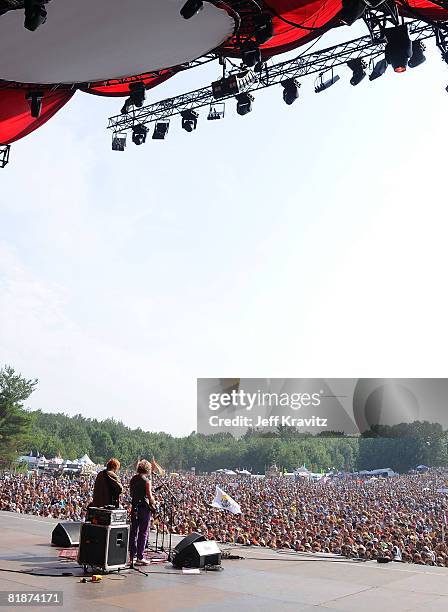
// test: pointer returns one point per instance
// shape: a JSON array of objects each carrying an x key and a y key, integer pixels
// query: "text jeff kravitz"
[{"x": 272, "y": 421}]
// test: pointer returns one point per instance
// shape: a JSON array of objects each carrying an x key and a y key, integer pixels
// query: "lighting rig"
[
  {"x": 4, "y": 155},
  {"x": 35, "y": 14},
  {"x": 137, "y": 95},
  {"x": 34, "y": 98},
  {"x": 388, "y": 43}
]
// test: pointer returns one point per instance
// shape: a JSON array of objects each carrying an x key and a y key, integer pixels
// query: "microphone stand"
[{"x": 170, "y": 504}]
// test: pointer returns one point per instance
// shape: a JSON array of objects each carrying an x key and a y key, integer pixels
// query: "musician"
[
  {"x": 107, "y": 488},
  {"x": 143, "y": 504}
]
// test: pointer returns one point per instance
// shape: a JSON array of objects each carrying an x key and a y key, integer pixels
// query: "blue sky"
[{"x": 307, "y": 240}]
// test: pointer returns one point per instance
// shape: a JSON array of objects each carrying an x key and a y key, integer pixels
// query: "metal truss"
[
  {"x": 4, "y": 155},
  {"x": 317, "y": 62}
]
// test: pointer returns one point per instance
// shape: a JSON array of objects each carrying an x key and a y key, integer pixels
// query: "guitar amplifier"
[
  {"x": 106, "y": 516},
  {"x": 104, "y": 546}
]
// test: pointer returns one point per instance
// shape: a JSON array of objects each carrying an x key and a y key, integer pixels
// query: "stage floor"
[{"x": 264, "y": 580}]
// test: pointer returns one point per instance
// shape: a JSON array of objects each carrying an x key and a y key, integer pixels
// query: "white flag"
[{"x": 225, "y": 502}]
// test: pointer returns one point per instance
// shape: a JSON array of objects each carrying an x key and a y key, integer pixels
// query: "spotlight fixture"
[
  {"x": 378, "y": 70},
  {"x": 264, "y": 29},
  {"x": 216, "y": 112},
  {"x": 398, "y": 48},
  {"x": 35, "y": 14},
  {"x": 250, "y": 53},
  {"x": 139, "y": 133},
  {"x": 244, "y": 103},
  {"x": 418, "y": 56},
  {"x": 189, "y": 120},
  {"x": 357, "y": 66},
  {"x": 160, "y": 130},
  {"x": 351, "y": 11},
  {"x": 290, "y": 90},
  {"x": 119, "y": 141},
  {"x": 233, "y": 84},
  {"x": 191, "y": 8},
  {"x": 35, "y": 98},
  {"x": 136, "y": 98},
  {"x": 322, "y": 85}
]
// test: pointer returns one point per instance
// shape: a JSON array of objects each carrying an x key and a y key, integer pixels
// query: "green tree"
[{"x": 14, "y": 421}]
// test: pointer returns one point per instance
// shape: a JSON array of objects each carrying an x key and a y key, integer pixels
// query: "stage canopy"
[{"x": 101, "y": 46}]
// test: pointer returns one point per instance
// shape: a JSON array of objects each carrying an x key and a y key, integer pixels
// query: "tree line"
[{"x": 401, "y": 447}]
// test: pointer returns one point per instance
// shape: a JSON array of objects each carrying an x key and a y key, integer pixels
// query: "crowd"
[{"x": 401, "y": 518}]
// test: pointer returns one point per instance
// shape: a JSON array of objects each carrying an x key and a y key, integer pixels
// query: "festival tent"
[
  {"x": 57, "y": 460},
  {"x": 226, "y": 471},
  {"x": 303, "y": 472},
  {"x": 85, "y": 460}
]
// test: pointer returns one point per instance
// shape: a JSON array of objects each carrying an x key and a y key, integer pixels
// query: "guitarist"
[{"x": 143, "y": 503}]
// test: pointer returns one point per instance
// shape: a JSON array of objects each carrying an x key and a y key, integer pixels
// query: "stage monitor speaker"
[
  {"x": 66, "y": 534},
  {"x": 196, "y": 551},
  {"x": 104, "y": 546}
]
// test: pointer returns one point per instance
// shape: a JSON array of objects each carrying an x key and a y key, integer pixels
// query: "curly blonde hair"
[{"x": 143, "y": 467}]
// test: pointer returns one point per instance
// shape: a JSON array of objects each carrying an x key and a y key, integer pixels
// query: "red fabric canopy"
[
  {"x": 15, "y": 116},
  {"x": 424, "y": 7},
  {"x": 120, "y": 87},
  {"x": 314, "y": 17},
  {"x": 317, "y": 16}
]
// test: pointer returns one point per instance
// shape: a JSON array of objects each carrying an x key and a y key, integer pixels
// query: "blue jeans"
[{"x": 139, "y": 531}]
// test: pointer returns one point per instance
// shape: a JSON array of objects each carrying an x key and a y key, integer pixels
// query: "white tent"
[
  {"x": 85, "y": 460},
  {"x": 302, "y": 471}
]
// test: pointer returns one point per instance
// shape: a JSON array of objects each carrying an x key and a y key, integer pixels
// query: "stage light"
[
  {"x": 418, "y": 56},
  {"x": 136, "y": 98},
  {"x": 244, "y": 103},
  {"x": 139, "y": 133},
  {"x": 250, "y": 53},
  {"x": 216, "y": 112},
  {"x": 35, "y": 14},
  {"x": 189, "y": 120},
  {"x": 233, "y": 84},
  {"x": 35, "y": 98},
  {"x": 378, "y": 70},
  {"x": 398, "y": 48},
  {"x": 191, "y": 8},
  {"x": 160, "y": 130},
  {"x": 119, "y": 142},
  {"x": 290, "y": 90},
  {"x": 357, "y": 66},
  {"x": 226, "y": 86},
  {"x": 264, "y": 29},
  {"x": 351, "y": 11},
  {"x": 323, "y": 85}
]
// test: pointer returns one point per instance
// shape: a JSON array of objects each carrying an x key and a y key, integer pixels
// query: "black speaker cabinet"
[
  {"x": 66, "y": 534},
  {"x": 104, "y": 546},
  {"x": 196, "y": 551}
]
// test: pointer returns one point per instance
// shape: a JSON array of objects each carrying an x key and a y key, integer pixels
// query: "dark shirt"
[
  {"x": 106, "y": 490},
  {"x": 137, "y": 487}
]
